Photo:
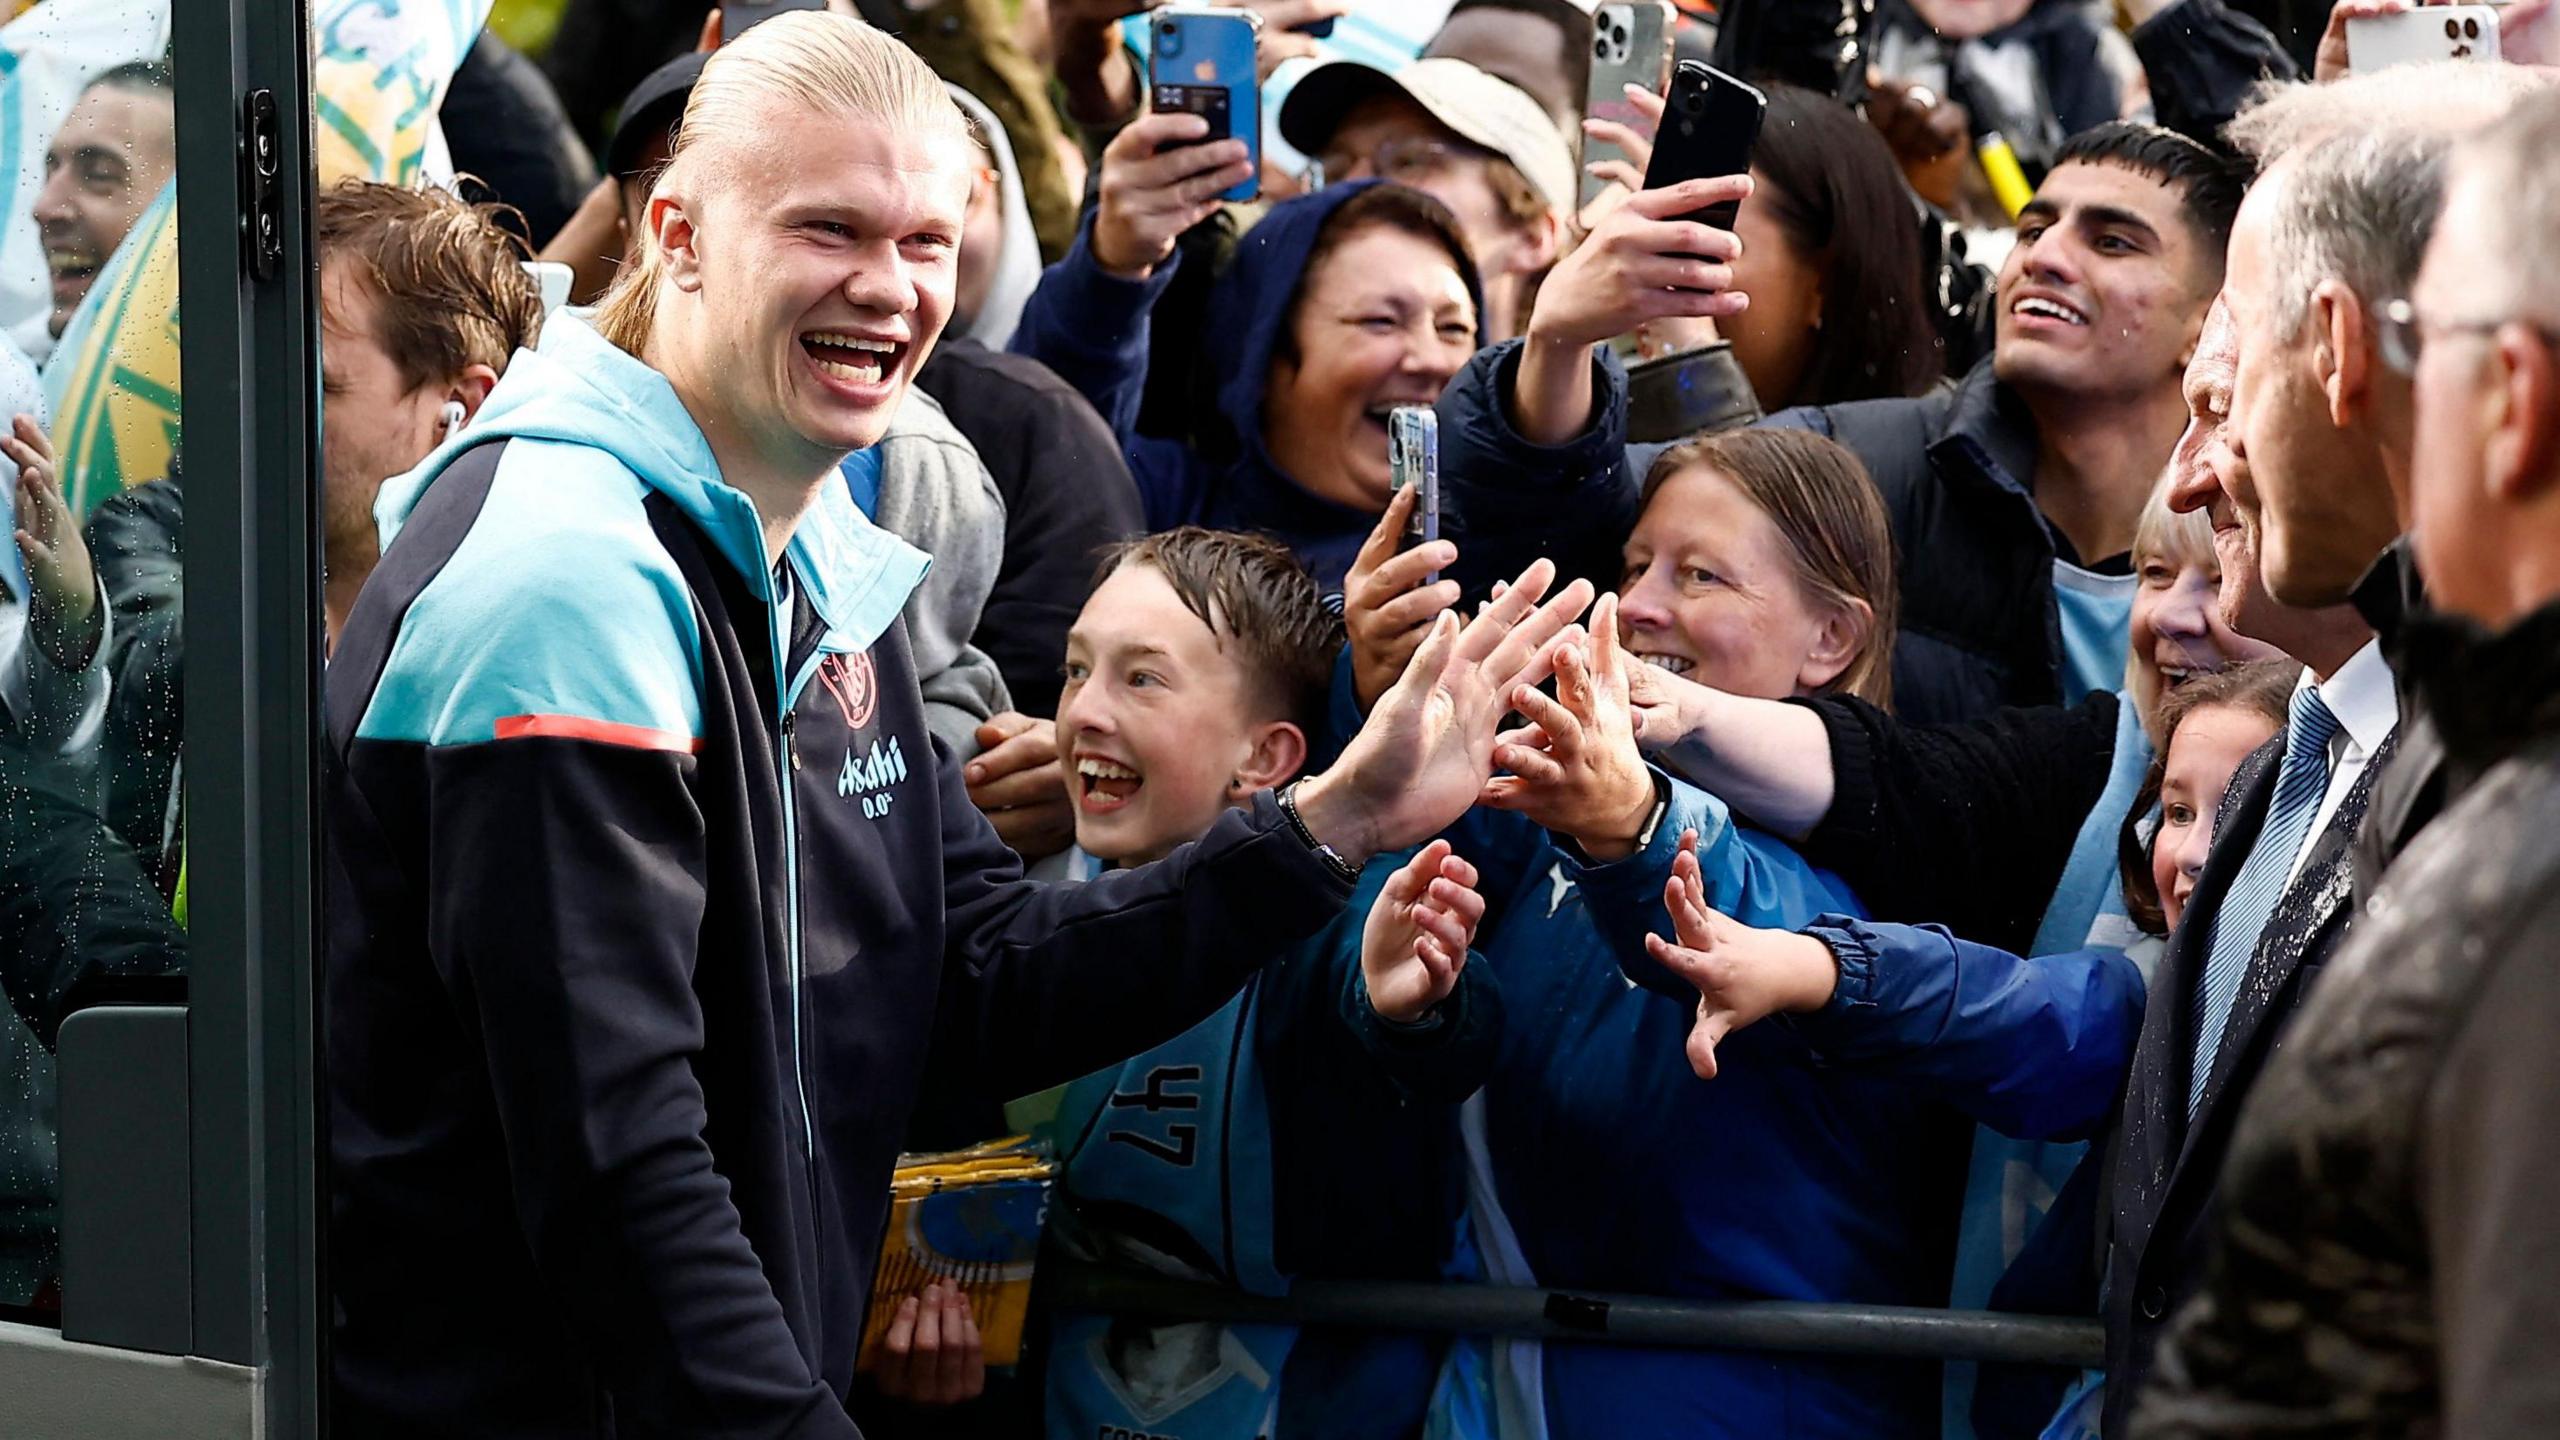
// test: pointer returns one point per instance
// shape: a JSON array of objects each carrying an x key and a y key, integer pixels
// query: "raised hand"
[
  {"x": 1743, "y": 974},
  {"x": 2529, "y": 33},
  {"x": 1666, "y": 708},
  {"x": 1926, "y": 131},
  {"x": 2329, "y": 61},
  {"x": 1640, "y": 266},
  {"x": 64, "y": 583},
  {"x": 1150, "y": 194},
  {"x": 1020, "y": 785},
  {"x": 1386, "y": 606},
  {"x": 1416, "y": 939},
  {"x": 1641, "y": 262},
  {"x": 1280, "y": 39},
  {"x": 1575, "y": 769},
  {"x": 1427, "y": 749},
  {"x": 932, "y": 1353}
]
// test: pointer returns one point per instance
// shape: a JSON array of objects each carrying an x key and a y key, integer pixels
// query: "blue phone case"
[{"x": 1202, "y": 61}]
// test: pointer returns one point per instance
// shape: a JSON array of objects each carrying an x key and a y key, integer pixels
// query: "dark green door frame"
[{"x": 250, "y": 389}]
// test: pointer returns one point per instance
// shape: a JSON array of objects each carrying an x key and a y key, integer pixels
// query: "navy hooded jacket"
[
  {"x": 1092, "y": 327},
  {"x": 642, "y": 918}
]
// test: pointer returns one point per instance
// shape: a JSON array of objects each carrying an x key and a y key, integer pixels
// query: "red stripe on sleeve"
[{"x": 603, "y": 732}]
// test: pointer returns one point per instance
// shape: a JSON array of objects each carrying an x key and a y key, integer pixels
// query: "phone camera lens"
[
  {"x": 2452, "y": 28},
  {"x": 1618, "y": 36},
  {"x": 2470, "y": 29}
]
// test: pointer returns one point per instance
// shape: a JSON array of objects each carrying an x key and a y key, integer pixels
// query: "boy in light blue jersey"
[{"x": 1295, "y": 1131}]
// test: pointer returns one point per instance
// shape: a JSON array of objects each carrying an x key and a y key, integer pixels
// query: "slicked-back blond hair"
[{"x": 813, "y": 59}]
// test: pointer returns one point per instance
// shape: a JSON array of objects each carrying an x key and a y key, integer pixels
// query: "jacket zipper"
[{"x": 791, "y": 887}]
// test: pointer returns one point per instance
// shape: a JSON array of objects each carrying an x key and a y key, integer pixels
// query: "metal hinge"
[{"x": 261, "y": 185}]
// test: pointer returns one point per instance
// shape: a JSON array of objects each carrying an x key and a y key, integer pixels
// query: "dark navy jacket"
[
  {"x": 648, "y": 892},
  {"x": 1093, "y": 329}
]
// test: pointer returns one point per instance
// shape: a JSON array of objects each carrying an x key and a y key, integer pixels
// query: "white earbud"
[{"x": 454, "y": 415}]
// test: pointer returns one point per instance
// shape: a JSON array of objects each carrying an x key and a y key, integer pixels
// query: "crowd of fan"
[{"x": 1996, "y": 757}]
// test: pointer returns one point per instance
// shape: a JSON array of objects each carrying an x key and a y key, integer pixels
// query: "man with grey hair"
[
  {"x": 2332, "y": 230},
  {"x": 2326, "y": 237},
  {"x": 2329, "y": 237},
  {"x": 2389, "y": 1263},
  {"x": 2302, "y": 453}
]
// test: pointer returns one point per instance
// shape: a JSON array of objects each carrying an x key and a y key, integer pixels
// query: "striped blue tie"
[{"x": 2263, "y": 878}]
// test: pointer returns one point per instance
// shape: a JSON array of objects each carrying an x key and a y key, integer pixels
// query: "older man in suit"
[
  {"x": 2241, "y": 954},
  {"x": 2302, "y": 444},
  {"x": 2386, "y": 1262}
]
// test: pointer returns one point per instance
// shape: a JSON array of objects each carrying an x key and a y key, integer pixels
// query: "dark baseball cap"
[{"x": 650, "y": 110}]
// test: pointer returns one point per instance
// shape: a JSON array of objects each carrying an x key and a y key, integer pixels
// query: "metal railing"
[{"x": 1890, "y": 1331}]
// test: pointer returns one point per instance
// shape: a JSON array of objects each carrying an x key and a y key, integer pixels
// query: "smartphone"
[
  {"x": 1413, "y": 457},
  {"x": 1630, "y": 45},
  {"x": 2436, "y": 32},
  {"x": 739, "y": 16},
  {"x": 1203, "y": 62},
  {"x": 1710, "y": 121}
]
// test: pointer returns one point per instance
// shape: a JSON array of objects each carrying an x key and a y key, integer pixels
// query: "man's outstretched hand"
[{"x": 1427, "y": 749}]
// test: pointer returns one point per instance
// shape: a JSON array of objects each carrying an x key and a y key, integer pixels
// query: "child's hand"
[
  {"x": 1020, "y": 785},
  {"x": 1386, "y": 609},
  {"x": 1574, "y": 768},
  {"x": 1418, "y": 932},
  {"x": 932, "y": 1352},
  {"x": 1743, "y": 974},
  {"x": 58, "y": 570}
]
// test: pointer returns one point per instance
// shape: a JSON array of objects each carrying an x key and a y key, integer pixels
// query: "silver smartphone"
[
  {"x": 1413, "y": 455},
  {"x": 2413, "y": 37},
  {"x": 1630, "y": 45}
]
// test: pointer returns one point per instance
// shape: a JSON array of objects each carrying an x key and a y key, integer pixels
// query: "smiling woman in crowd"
[
  {"x": 1338, "y": 307},
  {"x": 1761, "y": 562}
]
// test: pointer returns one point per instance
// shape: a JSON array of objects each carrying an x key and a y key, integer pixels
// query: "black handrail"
[{"x": 1902, "y": 1332}]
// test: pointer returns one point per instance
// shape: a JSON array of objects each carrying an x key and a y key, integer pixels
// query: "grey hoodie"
[{"x": 936, "y": 494}]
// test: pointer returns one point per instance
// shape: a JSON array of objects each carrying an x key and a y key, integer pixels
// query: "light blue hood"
[{"x": 578, "y": 388}]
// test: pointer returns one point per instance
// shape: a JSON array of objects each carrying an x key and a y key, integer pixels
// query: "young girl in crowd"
[
  {"x": 2003, "y": 829},
  {"x": 2212, "y": 723}
]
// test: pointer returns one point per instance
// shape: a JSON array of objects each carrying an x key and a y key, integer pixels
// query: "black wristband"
[{"x": 1347, "y": 872}]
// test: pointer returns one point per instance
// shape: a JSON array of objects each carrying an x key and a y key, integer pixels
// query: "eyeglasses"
[
  {"x": 2403, "y": 334},
  {"x": 1403, "y": 158}
]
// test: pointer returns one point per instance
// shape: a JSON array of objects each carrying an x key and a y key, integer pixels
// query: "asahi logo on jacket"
[{"x": 870, "y": 775}]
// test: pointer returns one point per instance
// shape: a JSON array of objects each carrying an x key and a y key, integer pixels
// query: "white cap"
[{"x": 1480, "y": 108}]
